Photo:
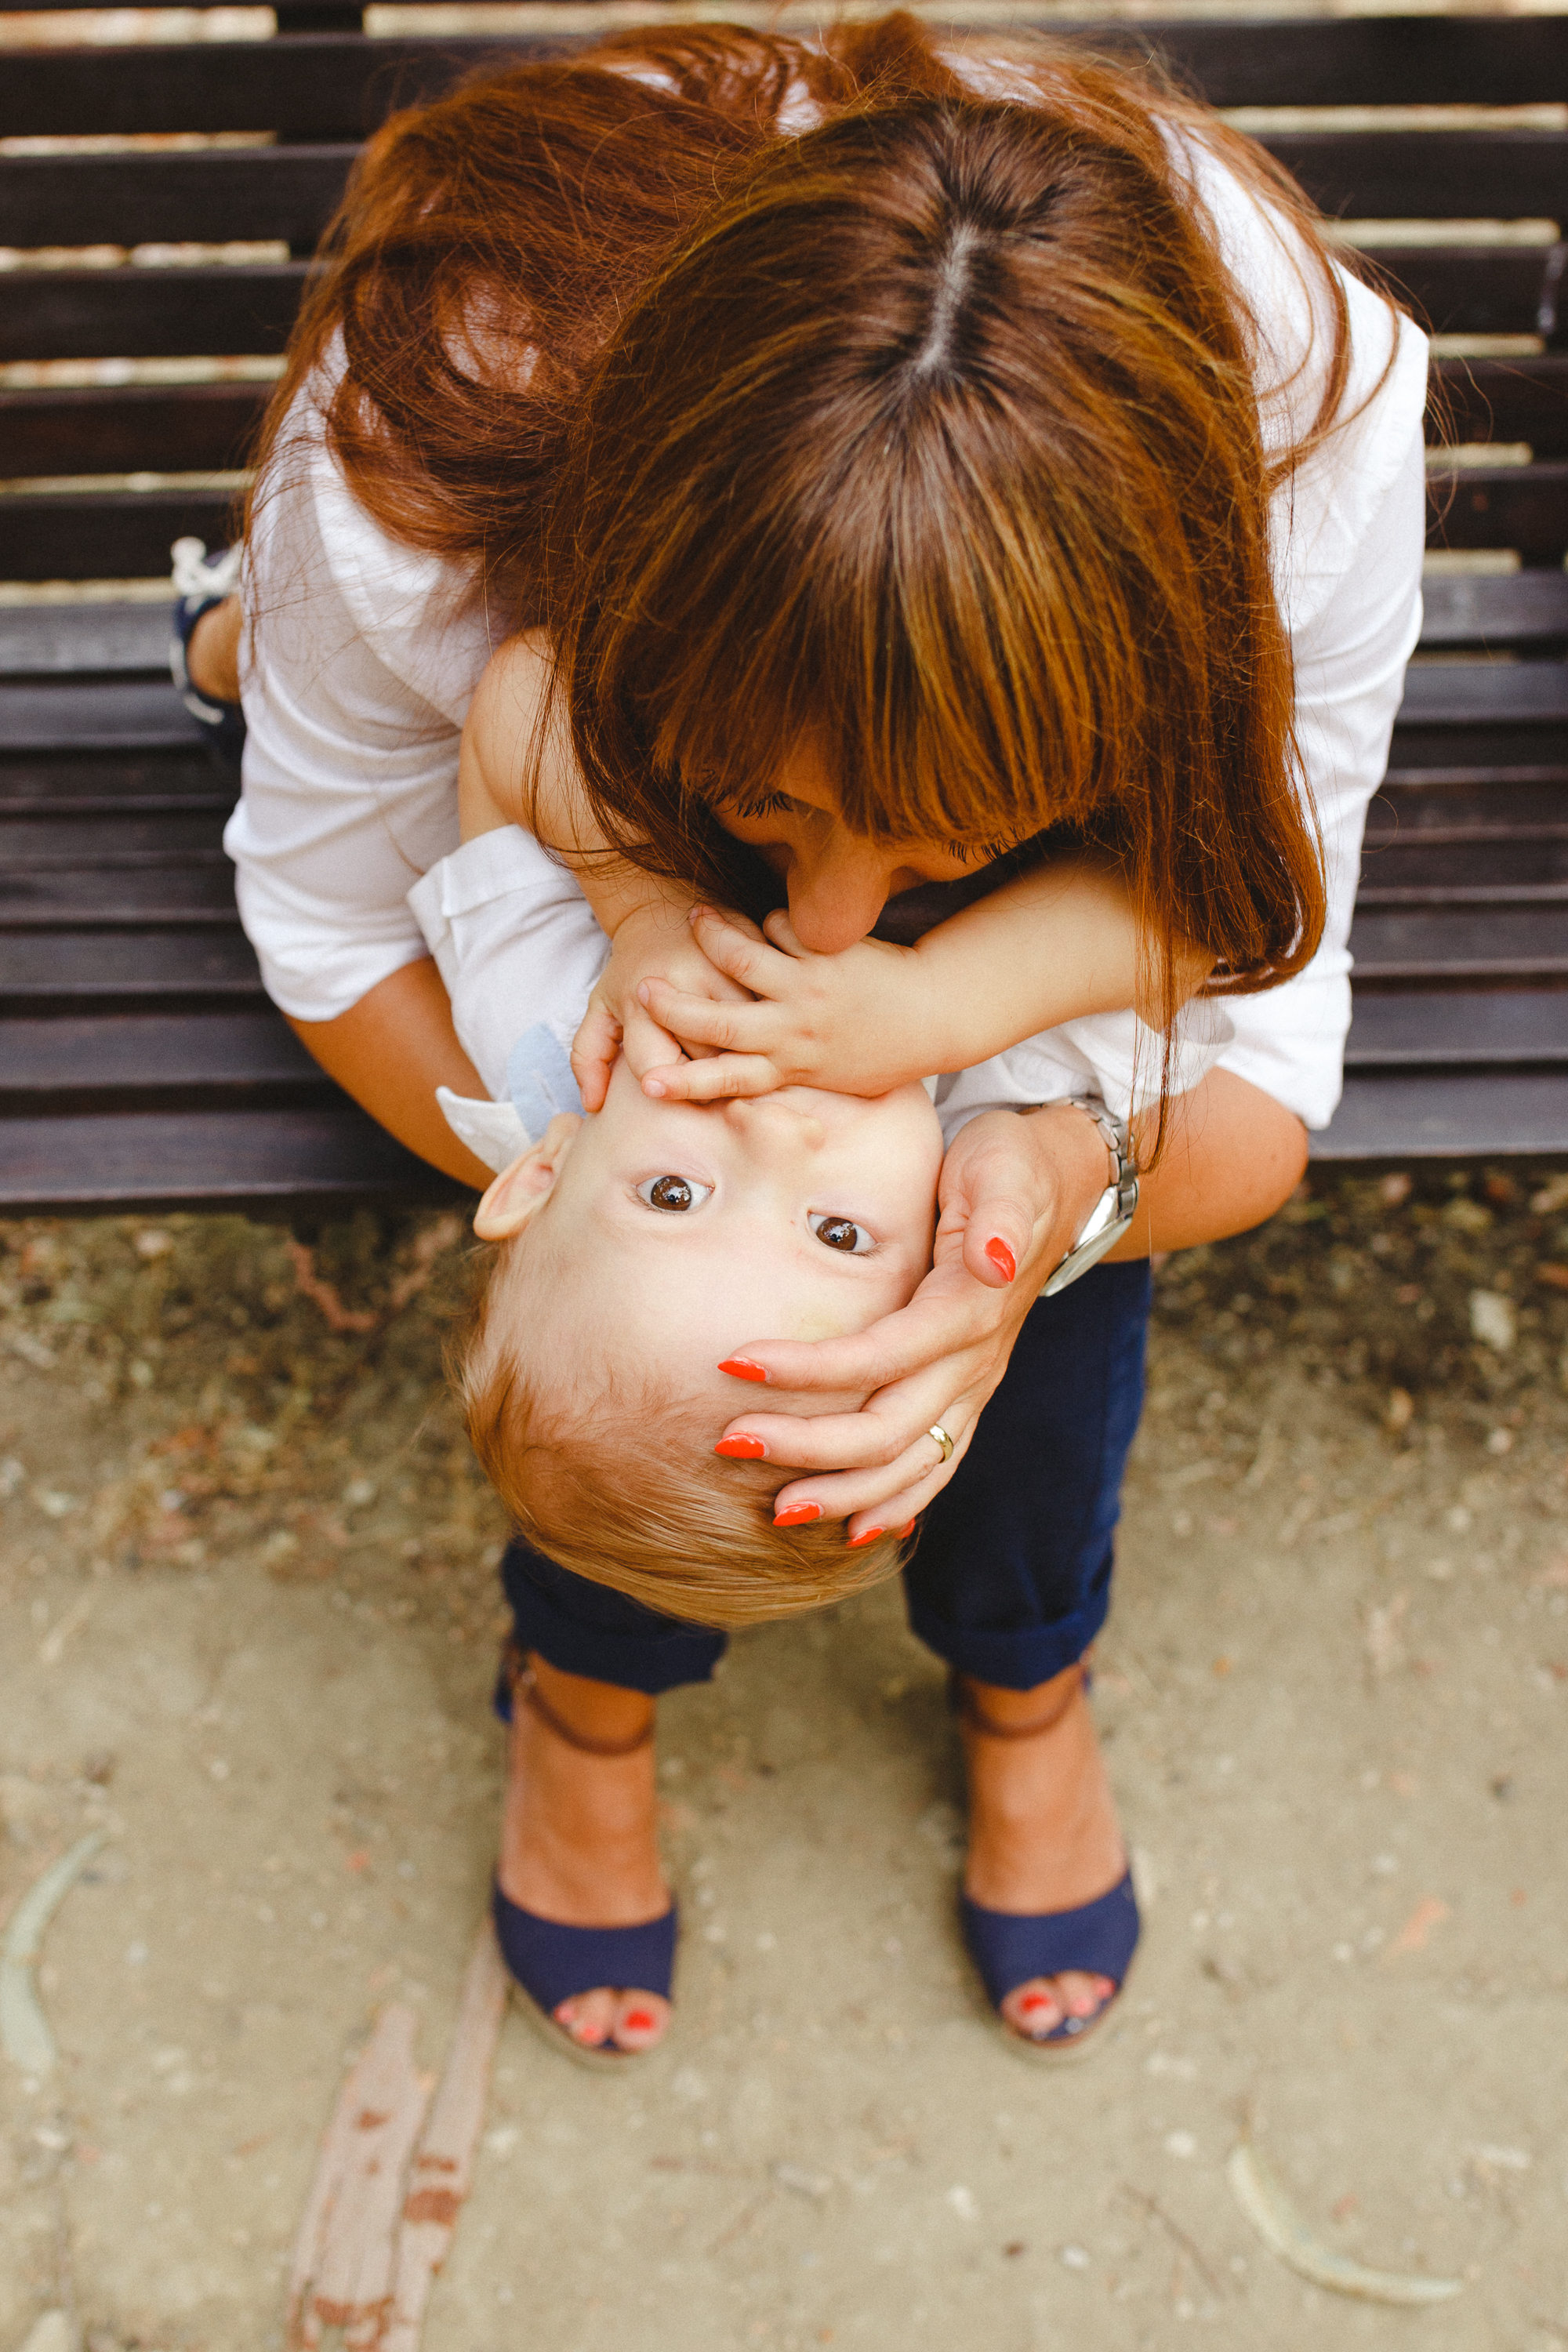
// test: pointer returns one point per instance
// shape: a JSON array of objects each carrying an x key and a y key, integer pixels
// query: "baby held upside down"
[
  {"x": 638, "y": 1247},
  {"x": 635, "y": 1250}
]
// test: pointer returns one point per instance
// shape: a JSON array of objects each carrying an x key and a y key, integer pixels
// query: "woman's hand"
[
  {"x": 1014, "y": 1193},
  {"x": 654, "y": 946},
  {"x": 861, "y": 1021}
]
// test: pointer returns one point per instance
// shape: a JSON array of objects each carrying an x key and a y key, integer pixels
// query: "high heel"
[
  {"x": 549, "y": 1961},
  {"x": 1010, "y": 1948}
]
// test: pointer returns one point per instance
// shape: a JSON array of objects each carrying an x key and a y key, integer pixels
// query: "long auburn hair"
[{"x": 933, "y": 430}]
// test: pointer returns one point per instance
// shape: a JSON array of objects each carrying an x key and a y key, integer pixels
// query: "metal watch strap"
[{"x": 1113, "y": 1212}]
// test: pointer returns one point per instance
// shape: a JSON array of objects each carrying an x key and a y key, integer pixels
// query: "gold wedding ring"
[{"x": 942, "y": 1439}]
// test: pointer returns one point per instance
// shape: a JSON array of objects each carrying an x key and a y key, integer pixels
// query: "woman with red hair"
[{"x": 911, "y": 467}]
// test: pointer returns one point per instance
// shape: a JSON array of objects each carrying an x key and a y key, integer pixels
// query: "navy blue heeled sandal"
[
  {"x": 549, "y": 1962},
  {"x": 1008, "y": 1948}
]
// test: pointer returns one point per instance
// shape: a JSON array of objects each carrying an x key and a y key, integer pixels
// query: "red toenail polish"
[
  {"x": 1033, "y": 2001},
  {"x": 797, "y": 1515},
  {"x": 865, "y": 1536},
  {"x": 741, "y": 1448},
  {"x": 741, "y": 1367},
  {"x": 1001, "y": 1256},
  {"x": 641, "y": 2020}
]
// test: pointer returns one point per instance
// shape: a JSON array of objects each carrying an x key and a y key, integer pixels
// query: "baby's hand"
[
  {"x": 652, "y": 946},
  {"x": 855, "y": 1022}
]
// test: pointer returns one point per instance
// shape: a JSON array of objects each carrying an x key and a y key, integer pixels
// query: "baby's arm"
[
  {"x": 1051, "y": 946},
  {"x": 511, "y": 730}
]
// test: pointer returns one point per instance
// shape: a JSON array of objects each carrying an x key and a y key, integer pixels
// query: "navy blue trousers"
[{"x": 1010, "y": 1580}]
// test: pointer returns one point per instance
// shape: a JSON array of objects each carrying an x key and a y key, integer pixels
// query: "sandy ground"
[{"x": 246, "y": 1626}]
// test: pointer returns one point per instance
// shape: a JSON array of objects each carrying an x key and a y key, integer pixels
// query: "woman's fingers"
[
  {"x": 948, "y": 1314},
  {"x": 893, "y": 1495},
  {"x": 826, "y": 1440}
]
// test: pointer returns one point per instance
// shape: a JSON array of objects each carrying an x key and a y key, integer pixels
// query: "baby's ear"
[{"x": 520, "y": 1191}]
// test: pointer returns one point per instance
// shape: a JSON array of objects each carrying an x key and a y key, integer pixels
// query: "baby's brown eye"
[
  {"x": 674, "y": 1194},
  {"x": 842, "y": 1233}
]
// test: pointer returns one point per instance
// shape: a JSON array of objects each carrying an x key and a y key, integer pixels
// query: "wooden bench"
[{"x": 140, "y": 1064}]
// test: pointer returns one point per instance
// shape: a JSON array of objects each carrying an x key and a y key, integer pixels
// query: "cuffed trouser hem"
[
  {"x": 1013, "y": 1661},
  {"x": 582, "y": 1628}
]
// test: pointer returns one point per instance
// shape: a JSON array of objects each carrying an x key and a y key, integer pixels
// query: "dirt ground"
[{"x": 246, "y": 1627}]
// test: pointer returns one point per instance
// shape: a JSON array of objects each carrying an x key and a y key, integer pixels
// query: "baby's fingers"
[
  {"x": 738, "y": 949},
  {"x": 594, "y": 1052},
  {"x": 726, "y": 1024},
  {"x": 717, "y": 1077}
]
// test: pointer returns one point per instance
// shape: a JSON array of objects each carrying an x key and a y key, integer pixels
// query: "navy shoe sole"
[{"x": 1097, "y": 1939}]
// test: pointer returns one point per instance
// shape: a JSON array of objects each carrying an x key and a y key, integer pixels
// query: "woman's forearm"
[
  {"x": 1233, "y": 1155},
  {"x": 389, "y": 1052}
]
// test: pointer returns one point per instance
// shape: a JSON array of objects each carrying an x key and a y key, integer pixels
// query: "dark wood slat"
[
  {"x": 1495, "y": 1026},
  {"x": 129, "y": 1061},
  {"x": 80, "y": 784},
  {"x": 1502, "y": 400},
  {"x": 140, "y": 314},
  {"x": 1526, "y": 608},
  {"x": 1447, "y": 1115},
  {"x": 1479, "y": 693},
  {"x": 1527, "y": 944},
  {"x": 1479, "y": 813},
  {"x": 111, "y": 714},
  {"x": 290, "y": 192},
  {"x": 1429, "y": 174},
  {"x": 1446, "y": 750},
  {"x": 45, "y": 843},
  {"x": 313, "y": 83},
  {"x": 1522, "y": 507},
  {"x": 259, "y": 1160},
  {"x": 77, "y": 972},
  {"x": 213, "y": 194},
  {"x": 131, "y": 429},
  {"x": 307, "y": 86},
  {"x": 105, "y": 535},
  {"x": 74, "y": 640},
  {"x": 1487, "y": 868},
  {"x": 193, "y": 896},
  {"x": 1466, "y": 290}
]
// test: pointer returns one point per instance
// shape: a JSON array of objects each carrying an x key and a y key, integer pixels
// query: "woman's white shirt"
[{"x": 365, "y": 654}]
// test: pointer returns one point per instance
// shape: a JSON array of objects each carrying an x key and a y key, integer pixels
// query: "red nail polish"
[
  {"x": 741, "y": 1367},
  {"x": 905, "y": 1533},
  {"x": 742, "y": 1449},
  {"x": 797, "y": 1515},
  {"x": 1001, "y": 1256},
  {"x": 641, "y": 2020},
  {"x": 865, "y": 1536}
]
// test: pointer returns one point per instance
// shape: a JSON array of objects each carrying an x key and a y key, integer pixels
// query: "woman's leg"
[
  {"x": 1011, "y": 1582},
  {"x": 579, "y": 1837}
]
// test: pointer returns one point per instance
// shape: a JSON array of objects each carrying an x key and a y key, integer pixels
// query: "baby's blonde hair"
[{"x": 616, "y": 1479}]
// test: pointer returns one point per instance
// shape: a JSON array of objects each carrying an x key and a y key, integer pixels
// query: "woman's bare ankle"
[
  {"x": 212, "y": 657},
  {"x": 597, "y": 1710}
]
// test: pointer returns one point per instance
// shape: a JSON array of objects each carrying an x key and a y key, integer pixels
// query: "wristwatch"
[{"x": 1117, "y": 1205}]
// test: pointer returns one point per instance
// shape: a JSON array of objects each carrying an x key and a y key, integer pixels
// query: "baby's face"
[{"x": 691, "y": 1228}]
